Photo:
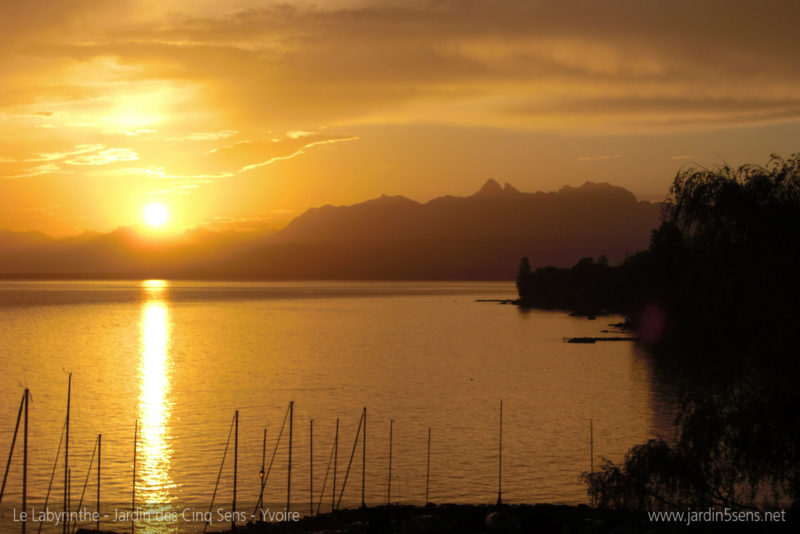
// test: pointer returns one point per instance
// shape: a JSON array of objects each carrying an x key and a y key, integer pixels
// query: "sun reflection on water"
[{"x": 154, "y": 482}]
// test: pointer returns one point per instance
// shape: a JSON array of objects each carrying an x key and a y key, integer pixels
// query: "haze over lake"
[{"x": 181, "y": 357}]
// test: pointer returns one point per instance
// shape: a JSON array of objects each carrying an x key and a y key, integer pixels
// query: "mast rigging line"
[
  {"x": 271, "y": 460},
  {"x": 219, "y": 475}
]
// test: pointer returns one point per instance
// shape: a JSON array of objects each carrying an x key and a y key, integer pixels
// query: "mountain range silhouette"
[{"x": 478, "y": 237}]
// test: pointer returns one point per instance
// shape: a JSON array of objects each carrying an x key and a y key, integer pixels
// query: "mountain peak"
[
  {"x": 388, "y": 200},
  {"x": 599, "y": 190},
  {"x": 490, "y": 188}
]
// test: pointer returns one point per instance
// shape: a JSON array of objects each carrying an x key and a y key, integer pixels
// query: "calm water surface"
[{"x": 181, "y": 357}]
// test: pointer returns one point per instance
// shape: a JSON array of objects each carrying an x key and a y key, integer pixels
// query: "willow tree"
[{"x": 729, "y": 298}]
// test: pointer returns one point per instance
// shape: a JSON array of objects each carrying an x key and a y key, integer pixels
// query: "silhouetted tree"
[
  {"x": 724, "y": 271},
  {"x": 522, "y": 275}
]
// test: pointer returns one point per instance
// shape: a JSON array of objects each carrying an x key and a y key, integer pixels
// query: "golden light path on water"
[{"x": 154, "y": 479}]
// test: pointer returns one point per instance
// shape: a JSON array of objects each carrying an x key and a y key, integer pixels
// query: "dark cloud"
[
  {"x": 365, "y": 58},
  {"x": 400, "y": 61}
]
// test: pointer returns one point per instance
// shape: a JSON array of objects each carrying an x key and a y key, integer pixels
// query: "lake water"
[{"x": 181, "y": 357}]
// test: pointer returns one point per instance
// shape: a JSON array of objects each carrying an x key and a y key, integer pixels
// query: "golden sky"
[{"x": 245, "y": 113}]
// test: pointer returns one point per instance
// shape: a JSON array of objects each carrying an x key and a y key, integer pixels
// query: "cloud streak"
[
  {"x": 297, "y": 152},
  {"x": 38, "y": 170},
  {"x": 205, "y": 136},
  {"x": 206, "y": 167},
  {"x": 56, "y": 156},
  {"x": 104, "y": 157}
]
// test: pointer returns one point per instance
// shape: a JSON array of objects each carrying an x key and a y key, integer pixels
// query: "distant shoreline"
[{"x": 69, "y": 277}]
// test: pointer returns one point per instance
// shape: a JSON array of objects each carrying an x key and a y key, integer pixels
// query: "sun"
[{"x": 155, "y": 214}]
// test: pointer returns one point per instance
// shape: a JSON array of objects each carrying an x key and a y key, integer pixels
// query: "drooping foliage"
[{"x": 715, "y": 299}]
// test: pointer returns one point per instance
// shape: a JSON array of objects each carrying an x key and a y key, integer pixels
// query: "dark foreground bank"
[{"x": 507, "y": 519}]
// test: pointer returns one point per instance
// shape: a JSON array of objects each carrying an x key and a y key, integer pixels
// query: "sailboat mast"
[
  {"x": 262, "y": 473},
  {"x": 428, "y": 469},
  {"x": 69, "y": 494},
  {"x": 364, "y": 459},
  {"x": 335, "y": 462},
  {"x": 591, "y": 447},
  {"x": 25, "y": 462},
  {"x": 133, "y": 485},
  {"x": 500, "y": 460},
  {"x": 389, "y": 481},
  {"x": 66, "y": 455},
  {"x": 289, "y": 475},
  {"x": 591, "y": 453},
  {"x": 99, "y": 451},
  {"x": 235, "y": 469}
]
